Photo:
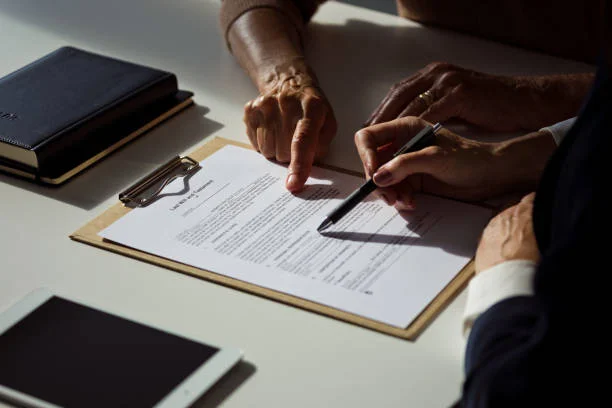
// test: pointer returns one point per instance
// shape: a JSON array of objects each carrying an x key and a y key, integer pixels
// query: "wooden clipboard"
[{"x": 89, "y": 234}]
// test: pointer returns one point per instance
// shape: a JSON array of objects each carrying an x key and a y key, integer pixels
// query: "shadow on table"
[
  {"x": 419, "y": 236},
  {"x": 226, "y": 385},
  {"x": 359, "y": 61},
  {"x": 181, "y": 38},
  {"x": 130, "y": 163}
]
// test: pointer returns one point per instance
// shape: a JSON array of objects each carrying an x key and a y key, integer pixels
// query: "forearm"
[
  {"x": 267, "y": 39},
  {"x": 519, "y": 162},
  {"x": 266, "y": 45},
  {"x": 553, "y": 98}
]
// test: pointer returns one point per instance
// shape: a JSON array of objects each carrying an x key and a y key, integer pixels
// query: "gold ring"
[{"x": 427, "y": 97}]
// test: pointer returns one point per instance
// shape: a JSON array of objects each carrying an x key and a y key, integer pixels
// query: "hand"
[
  {"x": 454, "y": 167},
  {"x": 493, "y": 102},
  {"x": 291, "y": 121},
  {"x": 508, "y": 236}
]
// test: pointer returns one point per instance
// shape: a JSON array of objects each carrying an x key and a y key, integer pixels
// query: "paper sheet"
[{"x": 235, "y": 218}]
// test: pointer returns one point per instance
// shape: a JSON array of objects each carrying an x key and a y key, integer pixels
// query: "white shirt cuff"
[
  {"x": 559, "y": 130},
  {"x": 504, "y": 280}
]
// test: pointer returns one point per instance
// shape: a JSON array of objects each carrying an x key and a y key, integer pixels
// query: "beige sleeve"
[{"x": 298, "y": 12}]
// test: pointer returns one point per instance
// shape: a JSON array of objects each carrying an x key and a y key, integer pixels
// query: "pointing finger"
[{"x": 304, "y": 145}]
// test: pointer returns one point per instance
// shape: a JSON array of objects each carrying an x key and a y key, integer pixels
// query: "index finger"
[
  {"x": 392, "y": 134},
  {"x": 304, "y": 145}
]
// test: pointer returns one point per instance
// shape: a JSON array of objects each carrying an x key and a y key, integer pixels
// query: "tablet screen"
[{"x": 75, "y": 356}]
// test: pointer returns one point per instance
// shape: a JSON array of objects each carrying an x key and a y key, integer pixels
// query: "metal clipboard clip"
[{"x": 148, "y": 189}]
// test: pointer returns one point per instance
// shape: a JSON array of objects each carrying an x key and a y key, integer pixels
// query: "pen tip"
[{"x": 324, "y": 225}]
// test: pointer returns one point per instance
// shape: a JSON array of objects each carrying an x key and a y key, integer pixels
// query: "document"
[{"x": 234, "y": 217}]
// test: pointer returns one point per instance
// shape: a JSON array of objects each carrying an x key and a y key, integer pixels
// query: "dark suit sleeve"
[
  {"x": 548, "y": 350},
  {"x": 503, "y": 352}
]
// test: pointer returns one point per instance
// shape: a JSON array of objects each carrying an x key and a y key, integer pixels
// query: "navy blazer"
[{"x": 541, "y": 350}]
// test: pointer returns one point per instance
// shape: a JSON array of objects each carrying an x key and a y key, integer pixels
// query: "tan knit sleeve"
[{"x": 298, "y": 12}]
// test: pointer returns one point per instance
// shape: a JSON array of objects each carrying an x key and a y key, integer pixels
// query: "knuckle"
[
  {"x": 395, "y": 87},
  {"x": 249, "y": 109},
  {"x": 448, "y": 78},
  {"x": 249, "y": 118},
  {"x": 435, "y": 151},
  {"x": 256, "y": 103},
  {"x": 314, "y": 104},
  {"x": 460, "y": 88},
  {"x": 440, "y": 66},
  {"x": 458, "y": 94},
  {"x": 400, "y": 162},
  {"x": 268, "y": 104},
  {"x": 362, "y": 136},
  {"x": 302, "y": 135},
  {"x": 433, "y": 67}
]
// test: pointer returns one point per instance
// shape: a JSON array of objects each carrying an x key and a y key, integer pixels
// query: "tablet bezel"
[{"x": 183, "y": 395}]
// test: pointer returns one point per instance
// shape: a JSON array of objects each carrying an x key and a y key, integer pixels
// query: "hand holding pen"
[
  {"x": 453, "y": 166},
  {"x": 421, "y": 140}
]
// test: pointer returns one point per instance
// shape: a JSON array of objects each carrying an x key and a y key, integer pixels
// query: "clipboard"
[{"x": 148, "y": 189}]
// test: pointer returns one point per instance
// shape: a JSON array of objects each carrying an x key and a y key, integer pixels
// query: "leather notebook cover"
[{"x": 71, "y": 106}]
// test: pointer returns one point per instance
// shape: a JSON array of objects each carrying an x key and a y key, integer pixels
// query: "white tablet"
[{"x": 57, "y": 352}]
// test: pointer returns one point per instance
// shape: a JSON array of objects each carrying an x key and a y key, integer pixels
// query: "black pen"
[{"x": 423, "y": 139}]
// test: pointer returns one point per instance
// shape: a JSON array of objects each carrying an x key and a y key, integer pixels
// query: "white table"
[{"x": 293, "y": 358}]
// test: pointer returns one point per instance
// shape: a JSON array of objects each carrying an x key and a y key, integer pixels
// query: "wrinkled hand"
[
  {"x": 499, "y": 103},
  {"x": 454, "y": 167},
  {"x": 291, "y": 122},
  {"x": 509, "y": 236}
]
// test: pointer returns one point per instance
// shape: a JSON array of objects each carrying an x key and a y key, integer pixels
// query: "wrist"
[
  {"x": 293, "y": 71},
  {"x": 268, "y": 47},
  {"x": 521, "y": 160},
  {"x": 552, "y": 98}
]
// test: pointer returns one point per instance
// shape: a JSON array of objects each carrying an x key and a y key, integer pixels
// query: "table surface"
[{"x": 293, "y": 358}]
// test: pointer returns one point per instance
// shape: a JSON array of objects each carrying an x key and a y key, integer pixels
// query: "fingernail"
[
  {"x": 382, "y": 176},
  {"x": 292, "y": 183}
]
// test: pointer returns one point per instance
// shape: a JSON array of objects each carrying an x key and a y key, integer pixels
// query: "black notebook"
[{"x": 68, "y": 109}]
